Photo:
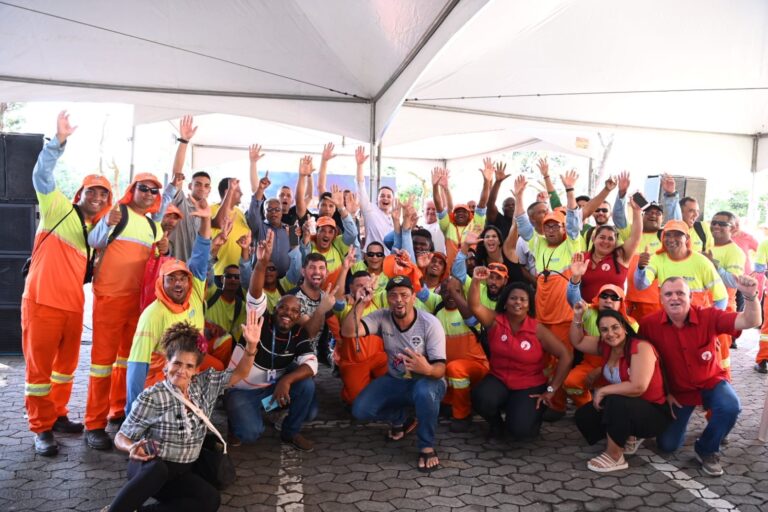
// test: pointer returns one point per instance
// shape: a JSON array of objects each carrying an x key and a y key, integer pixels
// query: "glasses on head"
[
  {"x": 143, "y": 188},
  {"x": 610, "y": 296},
  {"x": 721, "y": 223},
  {"x": 601, "y": 210},
  {"x": 372, "y": 254},
  {"x": 231, "y": 276},
  {"x": 274, "y": 210}
]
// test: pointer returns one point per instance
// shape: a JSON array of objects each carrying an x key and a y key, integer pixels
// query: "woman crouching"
[
  {"x": 633, "y": 405},
  {"x": 163, "y": 437}
]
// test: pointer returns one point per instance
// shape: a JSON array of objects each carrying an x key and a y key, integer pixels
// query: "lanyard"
[{"x": 274, "y": 345}]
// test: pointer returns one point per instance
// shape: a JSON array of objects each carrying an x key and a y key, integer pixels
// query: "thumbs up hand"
[
  {"x": 115, "y": 216},
  {"x": 645, "y": 258},
  {"x": 163, "y": 245}
]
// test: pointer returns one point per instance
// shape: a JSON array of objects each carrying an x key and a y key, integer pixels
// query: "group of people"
[{"x": 508, "y": 313}]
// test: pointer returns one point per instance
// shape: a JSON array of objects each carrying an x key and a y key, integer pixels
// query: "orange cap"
[
  {"x": 462, "y": 206},
  {"x": 173, "y": 265},
  {"x": 553, "y": 216},
  {"x": 143, "y": 176},
  {"x": 676, "y": 225},
  {"x": 172, "y": 209},
  {"x": 96, "y": 180},
  {"x": 499, "y": 268},
  {"x": 326, "y": 221}
]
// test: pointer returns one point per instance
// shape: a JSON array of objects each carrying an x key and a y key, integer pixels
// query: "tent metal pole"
[
  {"x": 378, "y": 170},
  {"x": 753, "y": 213},
  {"x": 590, "y": 177},
  {"x": 372, "y": 157},
  {"x": 133, "y": 153}
]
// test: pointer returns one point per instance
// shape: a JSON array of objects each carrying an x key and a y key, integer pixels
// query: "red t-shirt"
[
  {"x": 604, "y": 272},
  {"x": 655, "y": 391},
  {"x": 689, "y": 353},
  {"x": 516, "y": 358}
]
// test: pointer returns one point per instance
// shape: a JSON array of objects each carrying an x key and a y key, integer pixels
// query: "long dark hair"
[
  {"x": 481, "y": 253},
  {"x": 501, "y": 302},
  {"x": 614, "y": 253},
  {"x": 631, "y": 334}
]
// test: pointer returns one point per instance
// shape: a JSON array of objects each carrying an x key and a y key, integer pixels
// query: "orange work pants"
[
  {"x": 638, "y": 310},
  {"x": 762, "y": 352},
  {"x": 576, "y": 383},
  {"x": 462, "y": 376},
  {"x": 356, "y": 375},
  {"x": 114, "y": 324},
  {"x": 561, "y": 331},
  {"x": 50, "y": 340}
]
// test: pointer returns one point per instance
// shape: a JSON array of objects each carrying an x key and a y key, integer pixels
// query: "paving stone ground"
[{"x": 353, "y": 469}]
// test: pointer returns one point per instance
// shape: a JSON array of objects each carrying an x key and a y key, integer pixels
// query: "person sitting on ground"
[
  {"x": 633, "y": 405},
  {"x": 685, "y": 337},
  {"x": 415, "y": 345},
  {"x": 518, "y": 344},
  {"x": 163, "y": 437}
]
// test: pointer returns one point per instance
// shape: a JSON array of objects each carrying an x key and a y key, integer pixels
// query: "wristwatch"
[{"x": 550, "y": 389}]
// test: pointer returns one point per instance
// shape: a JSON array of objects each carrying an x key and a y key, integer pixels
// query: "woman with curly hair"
[{"x": 163, "y": 437}]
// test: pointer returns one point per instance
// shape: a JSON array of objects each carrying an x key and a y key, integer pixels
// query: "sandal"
[
  {"x": 425, "y": 457},
  {"x": 632, "y": 445},
  {"x": 604, "y": 463},
  {"x": 404, "y": 429}
]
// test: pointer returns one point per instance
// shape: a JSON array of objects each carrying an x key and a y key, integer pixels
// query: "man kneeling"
[{"x": 415, "y": 345}]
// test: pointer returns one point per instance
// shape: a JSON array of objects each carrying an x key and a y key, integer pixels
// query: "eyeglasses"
[
  {"x": 721, "y": 223},
  {"x": 372, "y": 254},
  {"x": 274, "y": 210},
  {"x": 610, "y": 296},
  {"x": 232, "y": 276},
  {"x": 143, "y": 188},
  {"x": 601, "y": 210}
]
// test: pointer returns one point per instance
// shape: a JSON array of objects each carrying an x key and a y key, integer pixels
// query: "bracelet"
[
  {"x": 183, "y": 141},
  {"x": 546, "y": 177},
  {"x": 569, "y": 189},
  {"x": 754, "y": 297},
  {"x": 251, "y": 354}
]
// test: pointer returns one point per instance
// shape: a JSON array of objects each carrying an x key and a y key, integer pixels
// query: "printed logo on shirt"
[
  {"x": 417, "y": 341},
  {"x": 605, "y": 267},
  {"x": 525, "y": 345},
  {"x": 191, "y": 313},
  {"x": 503, "y": 337},
  {"x": 706, "y": 355}
]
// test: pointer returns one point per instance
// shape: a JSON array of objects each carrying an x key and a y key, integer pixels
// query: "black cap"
[
  {"x": 398, "y": 281},
  {"x": 654, "y": 204}
]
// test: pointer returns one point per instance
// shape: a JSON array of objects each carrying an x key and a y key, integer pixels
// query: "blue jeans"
[
  {"x": 244, "y": 410},
  {"x": 386, "y": 398},
  {"x": 725, "y": 407}
]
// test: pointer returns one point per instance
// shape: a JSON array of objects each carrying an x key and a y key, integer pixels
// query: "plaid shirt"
[{"x": 158, "y": 415}]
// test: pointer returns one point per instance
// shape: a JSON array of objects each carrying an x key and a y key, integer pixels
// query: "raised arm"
[
  {"x": 187, "y": 130},
  {"x": 328, "y": 154},
  {"x": 353, "y": 322},
  {"x": 592, "y": 205},
  {"x": 486, "y": 317},
  {"x": 198, "y": 260},
  {"x": 636, "y": 231},
  {"x": 525, "y": 228},
  {"x": 446, "y": 189},
  {"x": 263, "y": 255},
  {"x": 360, "y": 159},
  {"x": 42, "y": 174},
  {"x": 501, "y": 174},
  {"x": 305, "y": 173},
  {"x": 751, "y": 316},
  {"x": 437, "y": 196},
  {"x": 227, "y": 204},
  {"x": 252, "y": 337},
  {"x": 316, "y": 322},
  {"x": 487, "y": 171},
  {"x": 254, "y": 155},
  {"x": 341, "y": 281},
  {"x": 509, "y": 249}
]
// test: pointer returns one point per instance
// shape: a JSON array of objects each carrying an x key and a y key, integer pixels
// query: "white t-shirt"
[
  {"x": 377, "y": 223},
  {"x": 438, "y": 238}
]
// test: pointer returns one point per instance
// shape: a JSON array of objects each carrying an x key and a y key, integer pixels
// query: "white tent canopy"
[{"x": 436, "y": 79}]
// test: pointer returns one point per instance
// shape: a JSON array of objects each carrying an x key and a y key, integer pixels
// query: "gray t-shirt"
[
  {"x": 183, "y": 237},
  {"x": 425, "y": 336}
]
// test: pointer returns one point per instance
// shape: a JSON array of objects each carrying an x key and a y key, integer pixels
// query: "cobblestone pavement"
[{"x": 353, "y": 469}]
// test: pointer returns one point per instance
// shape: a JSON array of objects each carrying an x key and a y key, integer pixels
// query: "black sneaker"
[
  {"x": 65, "y": 426},
  {"x": 762, "y": 367},
  {"x": 45, "y": 444},
  {"x": 551, "y": 415},
  {"x": 98, "y": 439},
  {"x": 460, "y": 426}
]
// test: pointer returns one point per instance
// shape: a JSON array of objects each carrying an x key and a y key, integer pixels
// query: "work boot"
[
  {"x": 762, "y": 367},
  {"x": 551, "y": 415},
  {"x": 299, "y": 442},
  {"x": 64, "y": 425},
  {"x": 45, "y": 444},
  {"x": 98, "y": 439}
]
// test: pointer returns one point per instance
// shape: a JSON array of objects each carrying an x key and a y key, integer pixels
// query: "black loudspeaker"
[
  {"x": 685, "y": 186},
  {"x": 10, "y": 330},
  {"x": 17, "y": 227},
  {"x": 11, "y": 280},
  {"x": 18, "y": 154}
]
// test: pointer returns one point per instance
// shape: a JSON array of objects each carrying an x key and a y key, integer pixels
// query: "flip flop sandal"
[
  {"x": 604, "y": 463},
  {"x": 631, "y": 447},
  {"x": 406, "y": 428},
  {"x": 425, "y": 457}
]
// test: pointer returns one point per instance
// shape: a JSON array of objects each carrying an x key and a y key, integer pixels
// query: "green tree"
[{"x": 11, "y": 119}]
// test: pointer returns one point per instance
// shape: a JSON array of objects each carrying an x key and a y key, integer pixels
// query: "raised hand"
[
  {"x": 305, "y": 166},
  {"x": 437, "y": 173},
  {"x": 163, "y": 245},
  {"x": 254, "y": 153},
  {"x": 186, "y": 128},
  {"x": 115, "y": 215},
  {"x": 644, "y": 258},
  {"x": 350, "y": 258},
  {"x": 178, "y": 180},
  {"x": 542, "y": 197},
  {"x": 481, "y": 273},
  {"x": 487, "y": 171},
  {"x": 747, "y": 285},
  {"x": 633, "y": 204},
  {"x": 396, "y": 211},
  {"x": 63, "y": 128},
  {"x": 360, "y": 156},
  {"x": 352, "y": 204},
  {"x": 244, "y": 242},
  {"x": 328, "y": 153},
  {"x": 217, "y": 242},
  {"x": 202, "y": 209},
  {"x": 543, "y": 166},
  {"x": 579, "y": 265},
  {"x": 328, "y": 300},
  {"x": 409, "y": 214},
  {"x": 252, "y": 330},
  {"x": 623, "y": 183},
  {"x": 668, "y": 184},
  {"x": 500, "y": 170},
  {"x": 337, "y": 196},
  {"x": 610, "y": 183},
  {"x": 569, "y": 178},
  {"x": 444, "y": 178},
  {"x": 423, "y": 259},
  {"x": 265, "y": 182},
  {"x": 579, "y": 309},
  {"x": 470, "y": 238},
  {"x": 520, "y": 184}
]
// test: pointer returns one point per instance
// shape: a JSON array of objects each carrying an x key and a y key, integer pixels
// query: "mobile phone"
[
  {"x": 639, "y": 200},
  {"x": 269, "y": 403}
]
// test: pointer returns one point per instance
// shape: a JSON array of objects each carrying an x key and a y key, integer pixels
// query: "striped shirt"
[{"x": 159, "y": 416}]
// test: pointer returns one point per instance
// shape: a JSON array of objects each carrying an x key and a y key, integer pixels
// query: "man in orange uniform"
[
  {"x": 116, "y": 289},
  {"x": 52, "y": 304}
]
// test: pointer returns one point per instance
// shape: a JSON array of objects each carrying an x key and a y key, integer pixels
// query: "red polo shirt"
[
  {"x": 517, "y": 359},
  {"x": 689, "y": 353}
]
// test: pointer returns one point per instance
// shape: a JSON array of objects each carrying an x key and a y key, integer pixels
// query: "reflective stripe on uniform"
[
  {"x": 122, "y": 362},
  {"x": 221, "y": 340},
  {"x": 61, "y": 378},
  {"x": 101, "y": 370},
  {"x": 726, "y": 363},
  {"x": 574, "y": 391},
  {"x": 36, "y": 389},
  {"x": 763, "y": 338},
  {"x": 458, "y": 383}
]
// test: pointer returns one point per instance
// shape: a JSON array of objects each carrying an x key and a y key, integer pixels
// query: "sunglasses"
[
  {"x": 721, "y": 223},
  {"x": 372, "y": 254},
  {"x": 232, "y": 276},
  {"x": 143, "y": 188},
  {"x": 601, "y": 210},
  {"x": 610, "y": 296}
]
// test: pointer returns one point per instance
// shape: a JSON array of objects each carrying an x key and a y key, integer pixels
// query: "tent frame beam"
[{"x": 191, "y": 92}]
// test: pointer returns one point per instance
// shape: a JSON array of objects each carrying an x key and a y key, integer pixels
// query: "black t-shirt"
[{"x": 503, "y": 223}]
